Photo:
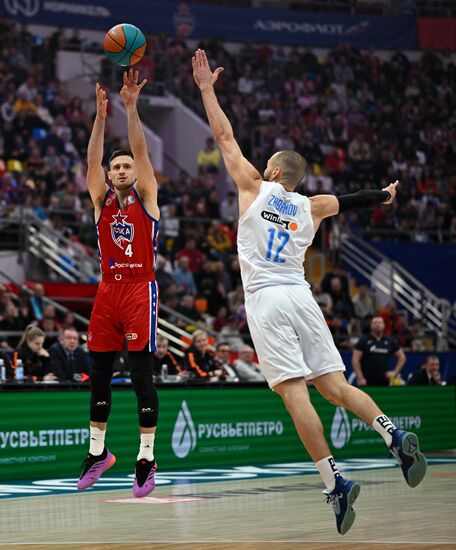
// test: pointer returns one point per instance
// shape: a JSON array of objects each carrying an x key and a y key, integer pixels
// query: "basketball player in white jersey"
[{"x": 292, "y": 340}]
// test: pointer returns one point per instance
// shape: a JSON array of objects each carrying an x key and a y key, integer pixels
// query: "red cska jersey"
[{"x": 127, "y": 240}]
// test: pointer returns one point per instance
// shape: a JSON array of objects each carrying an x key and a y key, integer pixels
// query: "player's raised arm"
[
  {"x": 324, "y": 206},
  {"x": 95, "y": 173},
  {"x": 146, "y": 184},
  {"x": 244, "y": 174}
]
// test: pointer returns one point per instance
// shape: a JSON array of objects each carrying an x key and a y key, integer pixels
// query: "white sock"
[
  {"x": 146, "y": 447},
  {"x": 328, "y": 471},
  {"x": 383, "y": 425},
  {"x": 97, "y": 438}
]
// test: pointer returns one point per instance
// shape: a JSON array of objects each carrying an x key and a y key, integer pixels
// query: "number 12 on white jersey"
[{"x": 277, "y": 241}]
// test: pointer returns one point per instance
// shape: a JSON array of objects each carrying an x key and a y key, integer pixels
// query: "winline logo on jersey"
[
  {"x": 186, "y": 434},
  {"x": 345, "y": 430},
  {"x": 291, "y": 225}
]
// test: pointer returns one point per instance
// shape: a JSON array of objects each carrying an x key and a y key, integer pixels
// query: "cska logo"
[{"x": 121, "y": 231}]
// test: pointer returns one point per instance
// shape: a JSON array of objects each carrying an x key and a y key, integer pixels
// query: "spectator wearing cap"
[{"x": 428, "y": 374}]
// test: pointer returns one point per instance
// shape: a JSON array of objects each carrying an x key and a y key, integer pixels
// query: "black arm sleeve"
[{"x": 366, "y": 198}]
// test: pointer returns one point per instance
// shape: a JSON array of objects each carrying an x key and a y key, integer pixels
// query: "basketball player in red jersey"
[{"x": 126, "y": 303}]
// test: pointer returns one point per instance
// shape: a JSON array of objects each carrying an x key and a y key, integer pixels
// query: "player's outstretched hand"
[
  {"x": 202, "y": 73},
  {"x": 391, "y": 190},
  {"x": 102, "y": 101},
  {"x": 130, "y": 90}
]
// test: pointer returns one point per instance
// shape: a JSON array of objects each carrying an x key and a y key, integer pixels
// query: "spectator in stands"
[
  {"x": 223, "y": 360},
  {"x": 164, "y": 358},
  {"x": 338, "y": 273},
  {"x": 69, "y": 360},
  {"x": 195, "y": 256},
  {"x": 12, "y": 319},
  {"x": 230, "y": 333},
  {"x": 69, "y": 320},
  {"x": 209, "y": 158},
  {"x": 229, "y": 209},
  {"x": 37, "y": 301},
  {"x": 323, "y": 299},
  {"x": 420, "y": 340},
  {"x": 200, "y": 361},
  {"x": 221, "y": 319},
  {"x": 36, "y": 360},
  {"x": 342, "y": 304},
  {"x": 24, "y": 306},
  {"x": 428, "y": 374},
  {"x": 371, "y": 356},
  {"x": 402, "y": 332},
  {"x": 187, "y": 308},
  {"x": 389, "y": 314},
  {"x": 340, "y": 333},
  {"x": 246, "y": 368},
  {"x": 183, "y": 277},
  {"x": 364, "y": 302},
  {"x": 219, "y": 240}
]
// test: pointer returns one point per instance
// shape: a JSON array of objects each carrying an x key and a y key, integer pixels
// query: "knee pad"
[
  {"x": 100, "y": 385},
  {"x": 141, "y": 366}
]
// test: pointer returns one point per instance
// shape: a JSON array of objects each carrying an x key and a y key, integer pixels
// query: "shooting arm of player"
[
  {"x": 324, "y": 206},
  {"x": 356, "y": 364},
  {"x": 95, "y": 174},
  {"x": 146, "y": 184},
  {"x": 244, "y": 174}
]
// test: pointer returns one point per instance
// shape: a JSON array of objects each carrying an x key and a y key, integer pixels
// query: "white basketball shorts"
[{"x": 290, "y": 334}]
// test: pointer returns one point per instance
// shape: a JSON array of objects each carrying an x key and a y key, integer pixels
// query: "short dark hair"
[
  {"x": 120, "y": 153},
  {"x": 293, "y": 166},
  {"x": 220, "y": 344}
]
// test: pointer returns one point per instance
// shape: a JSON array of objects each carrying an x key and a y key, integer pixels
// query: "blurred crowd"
[{"x": 358, "y": 120}]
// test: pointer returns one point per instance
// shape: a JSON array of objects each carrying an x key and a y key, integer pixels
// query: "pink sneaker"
[
  {"x": 144, "y": 482},
  {"x": 93, "y": 467}
]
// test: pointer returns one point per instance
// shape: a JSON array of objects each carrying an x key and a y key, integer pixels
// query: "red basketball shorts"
[{"x": 124, "y": 311}]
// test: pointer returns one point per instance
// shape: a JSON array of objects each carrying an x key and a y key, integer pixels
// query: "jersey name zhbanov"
[{"x": 281, "y": 206}]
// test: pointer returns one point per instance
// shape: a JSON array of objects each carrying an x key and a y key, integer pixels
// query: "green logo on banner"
[
  {"x": 340, "y": 428},
  {"x": 184, "y": 434}
]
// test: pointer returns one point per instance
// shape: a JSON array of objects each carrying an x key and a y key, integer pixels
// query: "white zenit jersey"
[{"x": 273, "y": 236}]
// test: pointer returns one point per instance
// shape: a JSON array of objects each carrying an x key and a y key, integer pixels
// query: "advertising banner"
[
  {"x": 45, "y": 434},
  {"x": 233, "y": 24}
]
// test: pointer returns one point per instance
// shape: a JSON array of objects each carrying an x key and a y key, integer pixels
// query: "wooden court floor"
[{"x": 274, "y": 514}]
